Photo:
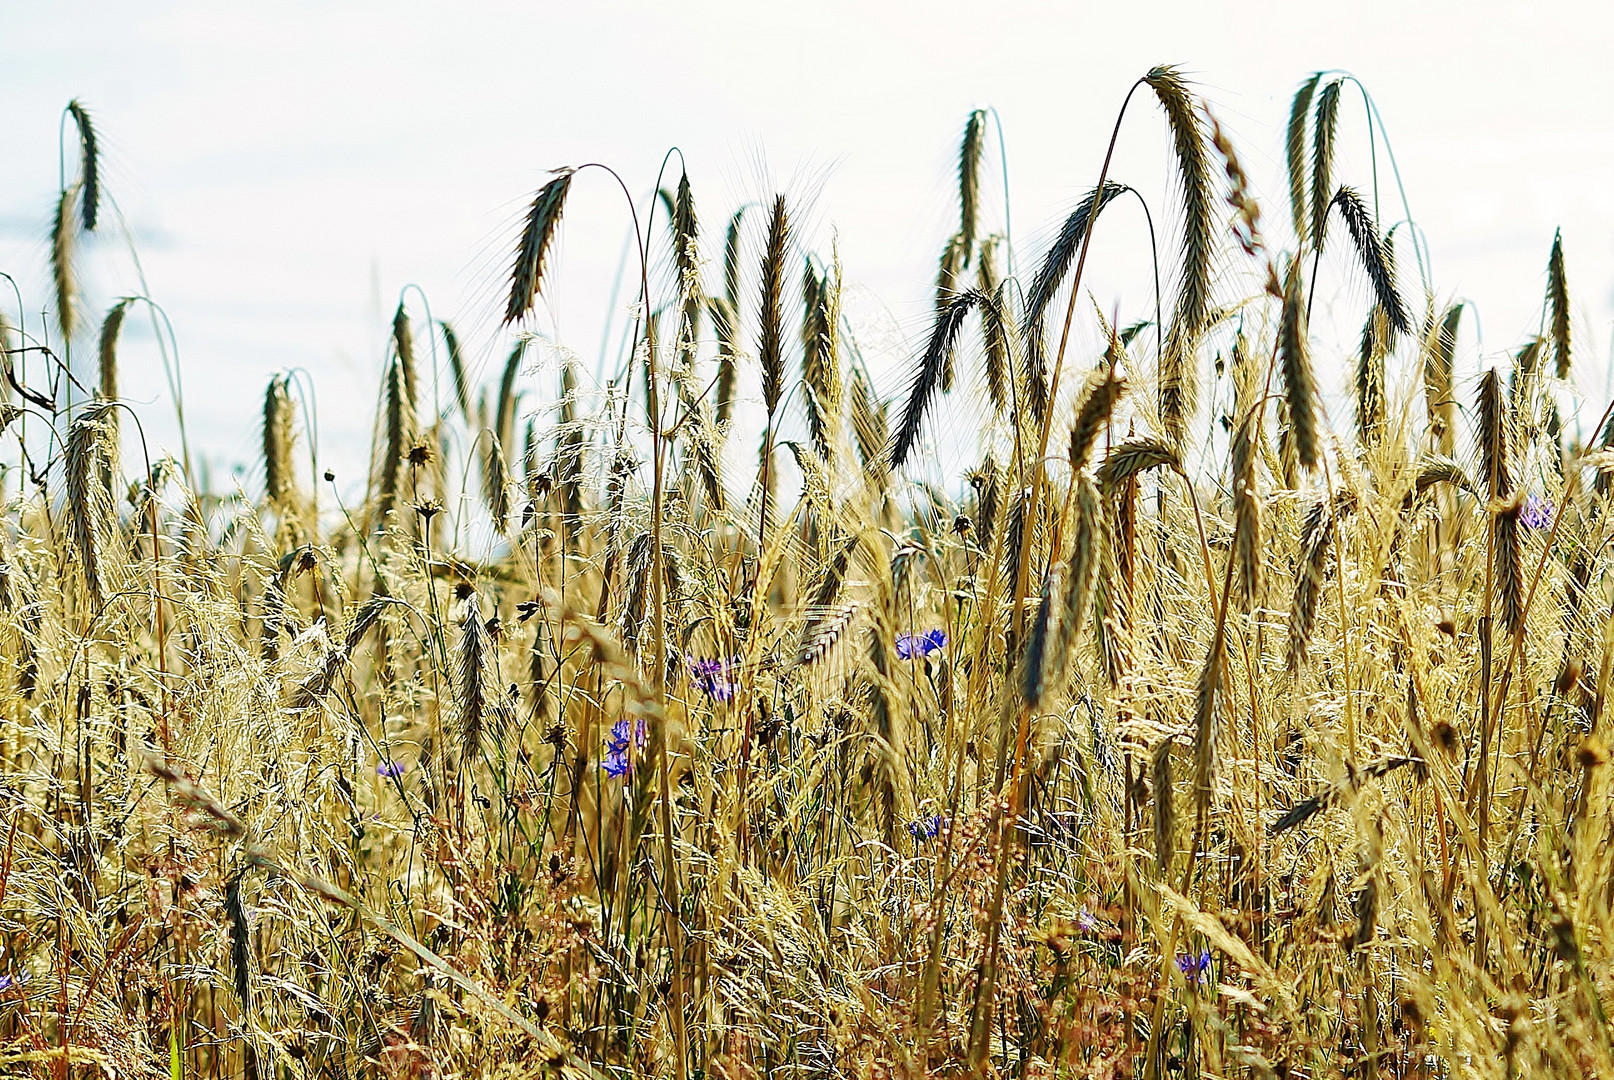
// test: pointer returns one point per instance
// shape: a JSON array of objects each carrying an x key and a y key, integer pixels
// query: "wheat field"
[{"x": 1210, "y": 723}]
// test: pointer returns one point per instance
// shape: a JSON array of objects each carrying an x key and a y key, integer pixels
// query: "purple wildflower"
[
  {"x": 927, "y": 828},
  {"x": 617, "y": 762},
  {"x": 1537, "y": 512},
  {"x": 10, "y": 982},
  {"x": 1085, "y": 921},
  {"x": 910, "y": 646},
  {"x": 715, "y": 678},
  {"x": 1194, "y": 968},
  {"x": 391, "y": 770}
]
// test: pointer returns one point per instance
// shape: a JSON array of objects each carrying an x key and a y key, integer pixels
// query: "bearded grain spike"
[
  {"x": 1130, "y": 459},
  {"x": 1370, "y": 402},
  {"x": 403, "y": 343},
  {"x": 1376, "y": 257},
  {"x": 969, "y": 179},
  {"x": 869, "y": 425},
  {"x": 1322, "y": 160},
  {"x": 532, "y": 251},
  {"x": 504, "y": 424},
  {"x": 61, "y": 264},
  {"x": 1493, "y": 438},
  {"x": 1299, "y": 111},
  {"x": 1058, "y": 260},
  {"x": 111, "y": 327},
  {"x": 928, "y": 379},
  {"x": 771, "y": 354},
  {"x": 89, "y": 167},
  {"x": 456, "y": 365},
  {"x": 277, "y": 440},
  {"x": 1316, "y": 537},
  {"x": 1033, "y": 664},
  {"x": 1558, "y": 305},
  {"x": 1081, "y": 575},
  {"x": 1299, "y": 389},
  {"x": 1246, "y": 512},
  {"x": 496, "y": 483},
  {"x": 1210, "y": 681},
  {"x": 89, "y": 500},
  {"x": 1165, "y": 810},
  {"x": 1440, "y": 401},
  {"x": 1098, "y": 401},
  {"x": 820, "y": 364},
  {"x": 1179, "y": 383},
  {"x": 473, "y": 681},
  {"x": 947, "y": 274},
  {"x": 400, "y": 429}
]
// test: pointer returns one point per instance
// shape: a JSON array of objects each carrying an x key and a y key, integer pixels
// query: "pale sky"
[{"x": 287, "y": 168}]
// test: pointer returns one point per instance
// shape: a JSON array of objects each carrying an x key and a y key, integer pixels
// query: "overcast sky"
[{"x": 287, "y": 168}]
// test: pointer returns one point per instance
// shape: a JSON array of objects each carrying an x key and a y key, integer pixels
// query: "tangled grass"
[{"x": 1101, "y": 764}]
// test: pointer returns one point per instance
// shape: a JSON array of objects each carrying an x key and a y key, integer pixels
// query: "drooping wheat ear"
[
  {"x": 403, "y": 343},
  {"x": 1558, "y": 305},
  {"x": 1434, "y": 470},
  {"x": 1376, "y": 339},
  {"x": 1299, "y": 389},
  {"x": 1034, "y": 662},
  {"x": 400, "y": 429},
  {"x": 505, "y": 416},
  {"x": 826, "y": 622},
  {"x": 111, "y": 327},
  {"x": 89, "y": 501},
  {"x": 823, "y": 633},
  {"x": 456, "y": 365},
  {"x": 1165, "y": 810},
  {"x": 1080, "y": 576},
  {"x": 1133, "y": 458},
  {"x": 1322, "y": 160},
  {"x": 869, "y": 425},
  {"x": 89, "y": 166},
  {"x": 1299, "y": 110},
  {"x": 1098, "y": 400},
  {"x": 1439, "y": 398},
  {"x": 1377, "y": 258},
  {"x": 1178, "y": 379},
  {"x": 279, "y": 477},
  {"x": 969, "y": 179},
  {"x": 527, "y": 272},
  {"x": 1316, "y": 537},
  {"x": 496, "y": 482},
  {"x": 928, "y": 379},
  {"x": 1246, "y": 510},
  {"x": 1056, "y": 264},
  {"x": 771, "y": 353},
  {"x": 995, "y": 326},
  {"x": 820, "y": 358},
  {"x": 474, "y": 702},
  {"x": 61, "y": 264}
]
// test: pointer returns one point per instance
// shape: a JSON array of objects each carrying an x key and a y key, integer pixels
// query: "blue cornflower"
[
  {"x": 715, "y": 678},
  {"x": 617, "y": 761},
  {"x": 910, "y": 646},
  {"x": 927, "y": 828},
  {"x": 1537, "y": 512},
  {"x": 10, "y": 982},
  {"x": 391, "y": 770},
  {"x": 1194, "y": 968}
]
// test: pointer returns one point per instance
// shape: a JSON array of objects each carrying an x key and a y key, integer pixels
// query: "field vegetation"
[{"x": 1114, "y": 756}]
